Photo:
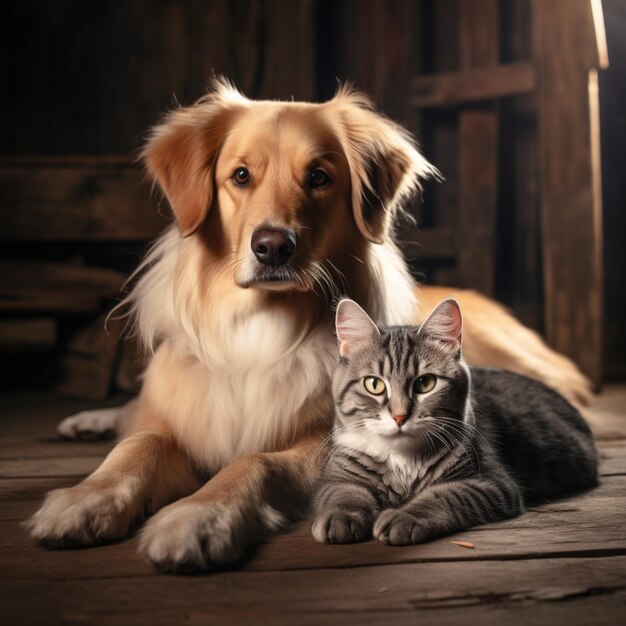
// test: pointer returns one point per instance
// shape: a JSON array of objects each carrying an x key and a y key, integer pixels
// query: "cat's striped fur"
[{"x": 410, "y": 464}]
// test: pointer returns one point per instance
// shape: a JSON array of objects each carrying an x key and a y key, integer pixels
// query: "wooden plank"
[
  {"x": 131, "y": 364},
  {"x": 385, "y": 70},
  {"x": 472, "y": 85},
  {"x": 353, "y": 26},
  {"x": 69, "y": 200},
  {"x": 519, "y": 282},
  {"x": 478, "y": 145},
  {"x": 52, "y": 447},
  {"x": 588, "y": 525},
  {"x": 571, "y": 212},
  {"x": 515, "y": 575},
  {"x": 252, "y": 47},
  {"x": 583, "y": 525},
  {"x": 512, "y": 593},
  {"x": 68, "y": 161},
  {"x": 441, "y": 207},
  {"x": 21, "y": 496},
  {"x": 597, "y": 16},
  {"x": 87, "y": 367},
  {"x": 613, "y": 459},
  {"x": 289, "y": 36},
  {"x": 28, "y": 427},
  {"x": 50, "y": 287},
  {"x": 431, "y": 243},
  {"x": 606, "y": 413},
  {"x": 27, "y": 334},
  {"x": 613, "y": 139},
  {"x": 517, "y": 572},
  {"x": 524, "y": 283},
  {"x": 77, "y": 466}
]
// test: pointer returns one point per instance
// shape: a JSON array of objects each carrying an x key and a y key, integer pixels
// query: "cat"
[{"x": 424, "y": 446}]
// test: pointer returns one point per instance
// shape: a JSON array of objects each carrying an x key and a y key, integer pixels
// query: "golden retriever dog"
[{"x": 280, "y": 207}]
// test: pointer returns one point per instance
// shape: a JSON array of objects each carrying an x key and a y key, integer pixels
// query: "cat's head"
[{"x": 399, "y": 387}]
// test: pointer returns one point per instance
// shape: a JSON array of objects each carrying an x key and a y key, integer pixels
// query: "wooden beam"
[
  {"x": 66, "y": 199},
  {"x": 478, "y": 144},
  {"x": 472, "y": 85},
  {"x": 566, "y": 53},
  {"x": 431, "y": 243},
  {"x": 27, "y": 333},
  {"x": 130, "y": 365},
  {"x": 441, "y": 133},
  {"x": 87, "y": 367},
  {"x": 47, "y": 287}
]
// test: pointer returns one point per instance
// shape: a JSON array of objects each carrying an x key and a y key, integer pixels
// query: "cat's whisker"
[
  {"x": 455, "y": 422},
  {"x": 431, "y": 443},
  {"x": 358, "y": 443},
  {"x": 462, "y": 439},
  {"x": 438, "y": 436}
]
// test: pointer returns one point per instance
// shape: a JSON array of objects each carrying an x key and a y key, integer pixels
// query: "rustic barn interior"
[{"x": 519, "y": 103}]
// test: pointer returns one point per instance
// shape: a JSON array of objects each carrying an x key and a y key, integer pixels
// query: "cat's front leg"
[
  {"x": 345, "y": 513},
  {"x": 448, "y": 508}
]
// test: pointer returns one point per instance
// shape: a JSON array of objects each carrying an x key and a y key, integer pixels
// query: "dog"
[{"x": 280, "y": 208}]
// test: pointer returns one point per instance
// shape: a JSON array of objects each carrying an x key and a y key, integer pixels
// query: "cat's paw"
[
  {"x": 195, "y": 536},
  {"x": 399, "y": 528},
  {"x": 341, "y": 527},
  {"x": 83, "y": 516}
]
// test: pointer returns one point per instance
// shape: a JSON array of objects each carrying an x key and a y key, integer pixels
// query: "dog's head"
[{"x": 282, "y": 188}]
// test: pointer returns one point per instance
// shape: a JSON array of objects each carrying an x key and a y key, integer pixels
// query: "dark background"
[{"x": 87, "y": 79}]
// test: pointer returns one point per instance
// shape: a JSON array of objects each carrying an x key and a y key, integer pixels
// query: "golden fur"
[{"x": 236, "y": 396}]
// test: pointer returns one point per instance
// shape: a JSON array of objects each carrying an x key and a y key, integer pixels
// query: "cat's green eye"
[
  {"x": 425, "y": 383},
  {"x": 374, "y": 385}
]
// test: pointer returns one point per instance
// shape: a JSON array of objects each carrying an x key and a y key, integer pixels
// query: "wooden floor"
[{"x": 560, "y": 563}]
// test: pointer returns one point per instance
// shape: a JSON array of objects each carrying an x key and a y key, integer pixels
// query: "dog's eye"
[
  {"x": 241, "y": 176},
  {"x": 318, "y": 178}
]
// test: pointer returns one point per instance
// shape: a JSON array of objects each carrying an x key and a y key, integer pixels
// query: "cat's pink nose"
[{"x": 399, "y": 419}]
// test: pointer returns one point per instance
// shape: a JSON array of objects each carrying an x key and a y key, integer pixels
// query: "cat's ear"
[
  {"x": 354, "y": 327},
  {"x": 445, "y": 322}
]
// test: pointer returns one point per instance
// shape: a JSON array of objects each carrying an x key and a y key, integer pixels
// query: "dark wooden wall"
[
  {"x": 90, "y": 77},
  {"x": 613, "y": 137},
  {"x": 87, "y": 79}
]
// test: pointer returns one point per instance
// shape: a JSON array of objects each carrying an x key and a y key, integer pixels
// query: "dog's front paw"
[
  {"x": 399, "y": 528},
  {"x": 195, "y": 536},
  {"x": 88, "y": 425},
  {"x": 341, "y": 526},
  {"x": 83, "y": 516}
]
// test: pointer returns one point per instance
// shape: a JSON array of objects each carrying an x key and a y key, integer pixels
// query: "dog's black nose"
[{"x": 273, "y": 247}]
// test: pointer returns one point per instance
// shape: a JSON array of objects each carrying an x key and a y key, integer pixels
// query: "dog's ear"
[
  {"x": 181, "y": 153},
  {"x": 385, "y": 165}
]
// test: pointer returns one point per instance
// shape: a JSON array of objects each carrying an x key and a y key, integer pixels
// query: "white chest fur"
[
  {"x": 253, "y": 389},
  {"x": 402, "y": 473}
]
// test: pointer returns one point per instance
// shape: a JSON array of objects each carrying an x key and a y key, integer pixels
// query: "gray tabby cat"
[{"x": 424, "y": 446}]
